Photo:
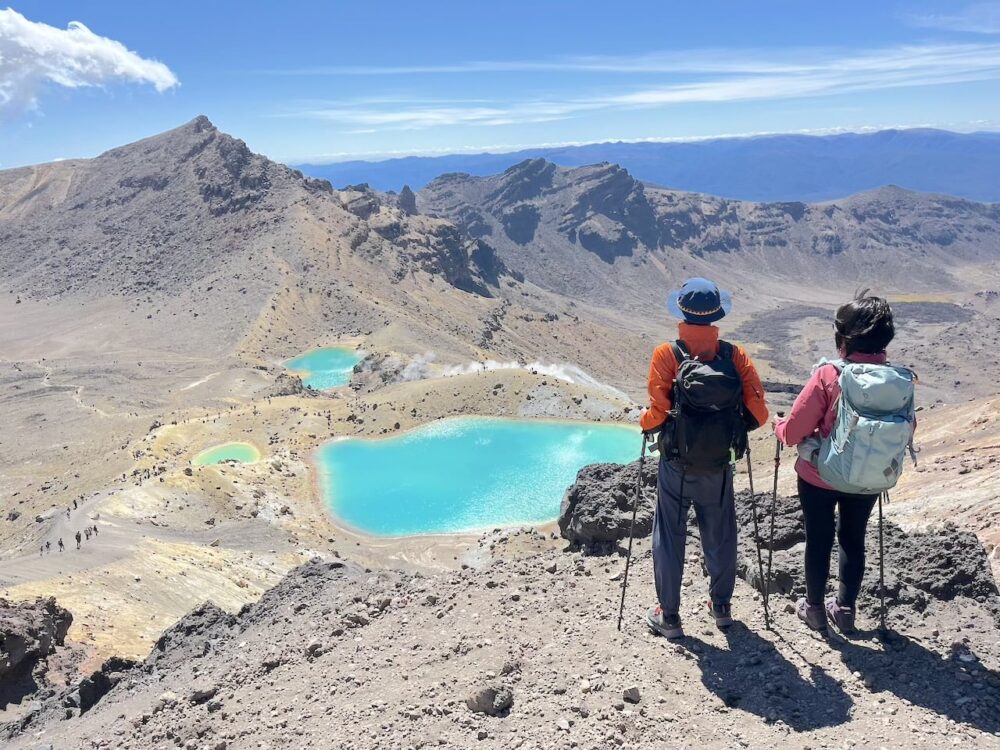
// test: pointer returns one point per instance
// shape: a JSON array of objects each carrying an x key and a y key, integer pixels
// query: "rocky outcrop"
[
  {"x": 192, "y": 637},
  {"x": 361, "y": 200},
  {"x": 524, "y": 181},
  {"x": 29, "y": 632},
  {"x": 407, "y": 201},
  {"x": 445, "y": 252},
  {"x": 944, "y": 563},
  {"x": 520, "y": 222},
  {"x": 596, "y": 510},
  {"x": 285, "y": 384},
  {"x": 606, "y": 238},
  {"x": 487, "y": 264},
  {"x": 613, "y": 212}
]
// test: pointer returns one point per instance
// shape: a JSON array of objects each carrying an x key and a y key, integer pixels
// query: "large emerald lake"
[{"x": 464, "y": 473}]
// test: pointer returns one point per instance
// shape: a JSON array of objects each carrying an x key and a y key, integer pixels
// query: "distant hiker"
[
  {"x": 61, "y": 545},
  {"x": 74, "y": 504},
  {"x": 67, "y": 512},
  {"x": 78, "y": 538},
  {"x": 41, "y": 550},
  {"x": 705, "y": 395},
  {"x": 95, "y": 529},
  {"x": 86, "y": 533},
  {"x": 48, "y": 547},
  {"x": 847, "y": 456}
]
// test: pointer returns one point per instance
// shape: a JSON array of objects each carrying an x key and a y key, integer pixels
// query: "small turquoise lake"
[
  {"x": 463, "y": 474},
  {"x": 325, "y": 368},
  {"x": 243, "y": 453}
]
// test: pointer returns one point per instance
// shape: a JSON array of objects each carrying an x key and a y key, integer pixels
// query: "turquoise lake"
[
  {"x": 464, "y": 474},
  {"x": 325, "y": 368}
]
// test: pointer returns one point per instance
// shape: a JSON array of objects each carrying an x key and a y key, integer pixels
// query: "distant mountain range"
[
  {"x": 201, "y": 246},
  {"x": 598, "y": 233},
  {"x": 763, "y": 168}
]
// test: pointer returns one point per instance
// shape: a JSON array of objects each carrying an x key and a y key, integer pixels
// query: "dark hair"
[{"x": 864, "y": 325}]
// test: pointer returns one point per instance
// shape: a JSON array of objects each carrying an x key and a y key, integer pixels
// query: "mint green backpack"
[{"x": 867, "y": 447}]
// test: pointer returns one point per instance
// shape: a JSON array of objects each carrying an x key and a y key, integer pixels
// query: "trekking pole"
[
  {"x": 881, "y": 565},
  {"x": 631, "y": 531},
  {"x": 774, "y": 503},
  {"x": 756, "y": 540}
]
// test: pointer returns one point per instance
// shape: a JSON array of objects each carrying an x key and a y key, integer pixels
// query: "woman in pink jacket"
[{"x": 863, "y": 328}]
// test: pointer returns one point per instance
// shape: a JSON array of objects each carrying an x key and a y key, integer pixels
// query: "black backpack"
[{"x": 706, "y": 421}]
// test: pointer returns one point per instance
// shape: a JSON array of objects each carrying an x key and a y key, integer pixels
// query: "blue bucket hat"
[{"x": 699, "y": 301}]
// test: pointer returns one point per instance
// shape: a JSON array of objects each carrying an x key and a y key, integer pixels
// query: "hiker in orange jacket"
[
  {"x": 682, "y": 482},
  {"x": 702, "y": 341}
]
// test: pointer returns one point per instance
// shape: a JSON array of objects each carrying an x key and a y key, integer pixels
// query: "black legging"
[{"x": 818, "y": 510}]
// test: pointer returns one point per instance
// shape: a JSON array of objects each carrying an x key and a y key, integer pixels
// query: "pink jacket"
[{"x": 815, "y": 411}]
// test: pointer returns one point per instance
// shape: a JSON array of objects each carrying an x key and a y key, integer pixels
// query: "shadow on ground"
[
  {"x": 752, "y": 676},
  {"x": 958, "y": 686}
]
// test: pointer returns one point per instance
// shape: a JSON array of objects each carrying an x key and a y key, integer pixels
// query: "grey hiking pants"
[{"x": 715, "y": 511}]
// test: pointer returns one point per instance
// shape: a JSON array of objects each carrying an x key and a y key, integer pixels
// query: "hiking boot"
[
  {"x": 669, "y": 626},
  {"x": 722, "y": 613},
  {"x": 812, "y": 615},
  {"x": 843, "y": 617}
]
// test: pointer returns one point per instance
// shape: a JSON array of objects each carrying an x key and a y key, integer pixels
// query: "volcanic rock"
[
  {"x": 492, "y": 700},
  {"x": 596, "y": 510},
  {"x": 30, "y": 632}
]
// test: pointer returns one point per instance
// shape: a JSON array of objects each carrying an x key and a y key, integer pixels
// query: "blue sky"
[{"x": 322, "y": 81}]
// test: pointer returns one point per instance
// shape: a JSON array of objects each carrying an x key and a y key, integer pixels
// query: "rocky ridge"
[
  {"x": 191, "y": 200},
  {"x": 523, "y": 652},
  {"x": 537, "y": 214}
]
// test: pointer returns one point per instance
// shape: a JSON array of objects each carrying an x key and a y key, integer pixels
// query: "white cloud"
[
  {"x": 691, "y": 61},
  {"x": 33, "y": 55},
  {"x": 701, "y": 76},
  {"x": 978, "y": 18}
]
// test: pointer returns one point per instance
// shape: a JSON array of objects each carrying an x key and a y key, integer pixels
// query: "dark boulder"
[{"x": 596, "y": 510}]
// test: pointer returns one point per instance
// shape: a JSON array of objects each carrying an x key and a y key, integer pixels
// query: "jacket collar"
[
  {"x": 868, "y": 359},
  {"x": 701, "y": 341}
]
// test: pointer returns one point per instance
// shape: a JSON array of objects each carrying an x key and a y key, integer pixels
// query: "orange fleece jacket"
[{"x": 701, "y": 342}]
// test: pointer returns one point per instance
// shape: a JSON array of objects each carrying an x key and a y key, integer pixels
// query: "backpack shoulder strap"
[
  {"x": 680, "y": 351},
  {"x": 725, "y": 350},
  {"x": 837, "y": 364}
]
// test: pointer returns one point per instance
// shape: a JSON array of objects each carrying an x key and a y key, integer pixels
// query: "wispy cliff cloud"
[
  {"x": 33, "y": 55},
  {"x": 703, "y": 76}
]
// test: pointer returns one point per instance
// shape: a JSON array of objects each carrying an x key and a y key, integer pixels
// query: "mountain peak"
[
  {"x": 529, "y": 166},
  {"x": 524, "y": 181},
  {"x": 199, "y": 124}
]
